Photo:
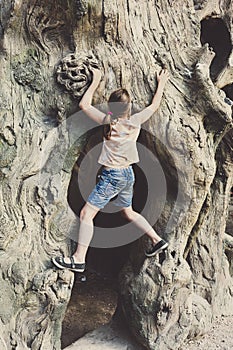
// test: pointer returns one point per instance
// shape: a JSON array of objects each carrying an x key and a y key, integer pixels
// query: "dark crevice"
[
  {"x": 229, "y": 223},
  {"x": 195, "y": 230},
  {"x": 206, "y": 248},
  {"x": 214, "y": 124},
  {"x": 162, "y": 257},
  {"x": 173, "y": 253},
  {"x": 199, "y": 5},
  {"x": 228, "y": 89},
  {"x": 214, "y": 32}
]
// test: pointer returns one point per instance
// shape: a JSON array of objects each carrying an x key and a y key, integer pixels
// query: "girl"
[{"x": 119, "y": 151}]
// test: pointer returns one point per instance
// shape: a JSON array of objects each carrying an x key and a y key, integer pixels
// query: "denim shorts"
[{"x": 113, "y": 182}]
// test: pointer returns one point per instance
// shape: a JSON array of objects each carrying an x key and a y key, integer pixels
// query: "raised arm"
[
  {"x": 147, "y": 112},
  {"x": 85, "y": 103}
]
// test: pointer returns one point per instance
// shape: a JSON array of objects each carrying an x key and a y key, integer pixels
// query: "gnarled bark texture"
[{"x": 165, "y": 300}]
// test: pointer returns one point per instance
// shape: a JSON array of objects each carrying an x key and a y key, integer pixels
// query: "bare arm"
[
  {"x": 147, "y": 112},
  {"x": 85, "y": 103}
]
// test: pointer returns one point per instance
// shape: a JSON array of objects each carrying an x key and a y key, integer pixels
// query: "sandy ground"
[
  {"x": 220, "y": 337},
  {"x": 92, "y": 306}
]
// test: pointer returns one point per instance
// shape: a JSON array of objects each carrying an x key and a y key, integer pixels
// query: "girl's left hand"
[{"x": 96, "y": 74}]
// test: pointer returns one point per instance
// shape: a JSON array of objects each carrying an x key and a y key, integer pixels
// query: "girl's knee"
[
  {"x": 129, "y": 214},
  {"x": 87, "y": 213},
  {"x": 83, "y": 214}
]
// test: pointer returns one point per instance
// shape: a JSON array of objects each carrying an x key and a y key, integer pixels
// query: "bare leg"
[
  {"x": 86, "y": 229},
  {"x": 142, "y": 223}
]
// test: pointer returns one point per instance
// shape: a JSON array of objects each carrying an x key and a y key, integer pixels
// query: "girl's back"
[{"x": 120, "y": 150}]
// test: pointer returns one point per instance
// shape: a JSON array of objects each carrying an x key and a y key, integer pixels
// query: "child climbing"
[{"x": 119, "y": 152}]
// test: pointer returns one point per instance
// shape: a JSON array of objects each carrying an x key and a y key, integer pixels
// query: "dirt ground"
[{"x": 92, "y": 304}]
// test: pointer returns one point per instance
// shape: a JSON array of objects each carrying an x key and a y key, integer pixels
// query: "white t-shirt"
[{"x": 121, "y": 150}]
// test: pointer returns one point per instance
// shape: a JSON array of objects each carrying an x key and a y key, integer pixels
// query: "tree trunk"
[{"x": 166, "y": 299}]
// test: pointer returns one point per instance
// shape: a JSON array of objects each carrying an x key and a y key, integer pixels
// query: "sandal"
[
  {"x": 157, "y": 248},
  {"x": 61, "y": 264}
]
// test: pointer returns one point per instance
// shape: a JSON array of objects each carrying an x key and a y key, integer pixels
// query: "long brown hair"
[{"x": 119, "y": 104}]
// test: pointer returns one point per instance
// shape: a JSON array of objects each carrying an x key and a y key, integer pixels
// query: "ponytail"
[{"x": 107, "y": 126}]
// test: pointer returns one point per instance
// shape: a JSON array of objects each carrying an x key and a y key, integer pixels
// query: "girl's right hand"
[{"x": 163, "y": 76}]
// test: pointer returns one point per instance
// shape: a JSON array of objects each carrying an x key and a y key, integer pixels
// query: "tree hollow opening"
[
  {"x": 93, "y": 303},
  {"x": 215, "y": 32}
]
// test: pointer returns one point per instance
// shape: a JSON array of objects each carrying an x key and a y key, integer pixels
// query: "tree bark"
[{"x": 166, "y": 299}]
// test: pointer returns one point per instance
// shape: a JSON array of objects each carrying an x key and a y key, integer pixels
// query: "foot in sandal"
[
  {"x": 157, "y": 248},
  {"x": 68, "y": 263}
]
